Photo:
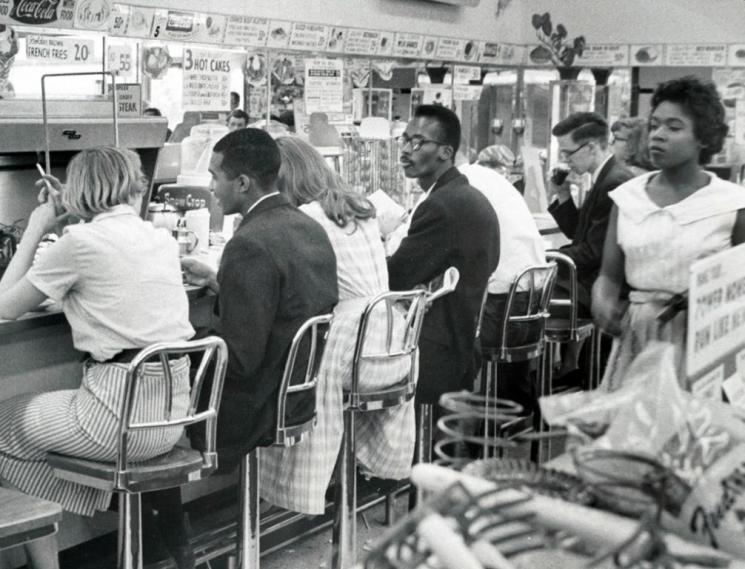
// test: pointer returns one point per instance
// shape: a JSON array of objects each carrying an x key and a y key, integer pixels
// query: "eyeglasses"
[
  {"x": 566, "y": 154},
  {"x": 416, "y": 142}
]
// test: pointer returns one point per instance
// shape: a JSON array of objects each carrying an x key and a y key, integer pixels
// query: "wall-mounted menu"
[
  {"x": 188, "y": 26},
  {"x": 308, "y": 36},
  {"x": 736, "y": 55},
  {"x": 120, "y": 61},
  {"x": 644, "y": 55},
  {"x": 429, "y": 47},
  {"x": 337, "y": 39},
  {"x": 324, "y": 85},
  {"x": 408, "y": 45},
  {"x": 604, "y": 55},
  {"x": 131, "y": 21},
  {"x": 206, "y": 82},
  {"x": 246, "y": 31},
  {"x": 678, "y": 55},
  {"x": 501, "y": 53},
  {"x": 279, "y": 33},
  {"x": 449, "y": 48},
  {"x": 362, "y": 42},
  {"x": 464, "y": 74},
  {"x": 59, "y": 49},
  {"x": 54, "y": 13}
]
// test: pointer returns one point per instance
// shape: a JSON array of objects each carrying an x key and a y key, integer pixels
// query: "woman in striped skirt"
[{"x": 118, "y": 281}]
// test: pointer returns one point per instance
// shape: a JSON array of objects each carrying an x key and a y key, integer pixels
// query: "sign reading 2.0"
[{"x": 69, "y": 50}]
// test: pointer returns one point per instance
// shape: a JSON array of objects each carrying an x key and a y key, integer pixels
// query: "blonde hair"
[
  {"x": 101, "y": 178},
  {"x": 304, "y": 176}
]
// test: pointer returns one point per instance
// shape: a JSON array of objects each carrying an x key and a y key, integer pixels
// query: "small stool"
[
  {"x": 344, "y": 538},
  {"x": 24, "y": 518},
  {"x": 175, "y": 468},
  {"x": 311, "y": 338}
]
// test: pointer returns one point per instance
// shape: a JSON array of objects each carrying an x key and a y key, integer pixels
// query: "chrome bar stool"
[
  {"x": 408, "y": 308},
  {"x": 563, "y": 330},
  {"x": 306, "y": 350},
  {"x": 536, "y": 284},
  {"x": 175, "y": 468}
]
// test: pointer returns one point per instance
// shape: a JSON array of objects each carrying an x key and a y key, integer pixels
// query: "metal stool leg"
[
  {"x": 344, "y": 539},
  {"x": 249, "y": 533},
  {"x": 490, "y": 423},
  {"x": 423, "y": 445},
  {"x": 130, "y": 531}
]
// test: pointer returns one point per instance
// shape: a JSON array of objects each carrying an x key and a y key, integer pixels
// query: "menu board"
[
  {"x": 246, "y": 31},
  {"x": 464, "y": 74},
  {"x": 604, "y": 55},
  {"x": 93, "y": 14},
  {"x": 324, "y": 86},
  {"x": 131, "y": 21},
  {"x": 55, "y": 13},
  {"x": 644, "y": 55},
  {"x": 308, "y": 36},
  {"x": 470, "y": 51},
  {"x": 695, "y": 55},
  {"x": 408, "y": 45},
  {"x": 279, "y": 33},
  {"x": 206, "y": 79},
  {"x": 736, "y": 55},
  {"x": 128, "y": 99},
  {"x": 119, "y": 60},
  {"x": 59, "y": 49},
  {"x": 387, "y": 43},
  {"x": 429, "y": 47},
  {"x": 449, "y": 48},
  {"x": 337, "y": 39},
  {"x": 188, "y": 26},
  {"x": 501, "y": 53},
  {"x": 362, "y": 42},
  {"x": 467, "y": 92}
]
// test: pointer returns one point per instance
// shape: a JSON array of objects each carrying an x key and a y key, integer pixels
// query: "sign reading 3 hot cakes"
[{"x": 206, "y": 83}]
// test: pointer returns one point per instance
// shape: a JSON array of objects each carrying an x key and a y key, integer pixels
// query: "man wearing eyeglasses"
[
  {"x": 453, "y": 225},
  {"x": 583, "y": 146}
]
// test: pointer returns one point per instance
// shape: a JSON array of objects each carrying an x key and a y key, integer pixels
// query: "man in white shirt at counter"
[{"x": 521, "y": 247}]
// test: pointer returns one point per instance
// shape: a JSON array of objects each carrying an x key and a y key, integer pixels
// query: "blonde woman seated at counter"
[
  {"x": 296, "y": 478},
  {"x": 118, "y": 280}
]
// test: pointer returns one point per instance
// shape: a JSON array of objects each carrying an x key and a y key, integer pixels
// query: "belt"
[
  {"x": 126, "y": 356},
  {"x": 671, "y": 304}
]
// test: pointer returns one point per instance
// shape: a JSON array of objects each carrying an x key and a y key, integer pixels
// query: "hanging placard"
[
  {"x": 246, "y": 31},
  {"x": 188, "y": 26},
  {"x": 604, "y": 55},
  {"x": 309, "y": 36},
  {"x": 429, "y": 47},
  {"x": 449, "y": 48},
  {"x": 467, "y": 92},
  {"x": 470, "y": 51},
  {"x": 128, "y": 99},
  {"x": 408, "y": 45},
  {"x": 279, "y": 33},
  {"x": 464, "y": 74},
  {"x": 59, "y": 49},
  {"x": 501, "y": 53},
  {"x": 119, "y": 60},
  {"x": 337, "y": 39},
  {"x": 206, "y": 83},
  {"x": 54, "y": 13},
  {"x": 93, "y": 14},
  {"x": 736, "y": 55},
  {"x": 362, "y": 42},
  {"x": 324, "y": 86},
  {"x": 131, "y": 21},
  {"x": 695, "y": 55},
  {"x": 644, "y": 55}
]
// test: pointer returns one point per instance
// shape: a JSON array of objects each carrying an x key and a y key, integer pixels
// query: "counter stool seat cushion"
[
  {"x": 559, "y": 330},
  {"x": 24, "y": 518},
  {"x": 175, "y": 468}
]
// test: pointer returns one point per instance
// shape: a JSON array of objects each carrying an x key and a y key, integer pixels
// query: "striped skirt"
[{"x": 84, "y": 423}]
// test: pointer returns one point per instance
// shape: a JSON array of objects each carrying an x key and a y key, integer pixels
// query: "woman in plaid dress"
[
  {"x": 118, "y": 280},
  {"x": 296, "y": 478}
]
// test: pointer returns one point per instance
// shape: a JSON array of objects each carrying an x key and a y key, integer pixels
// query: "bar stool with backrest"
[
  {"x": 175, "y": 468},
  {"x": 409, "y": 306},
  {"x": 537, "y": 283},
  {"x": 309, "y": 341}
]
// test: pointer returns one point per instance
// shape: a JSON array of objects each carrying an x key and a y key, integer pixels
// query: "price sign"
[
  {"x": 206, "y": 83},
  {"x": 324, "y": 86},
  {"x": 120, "y": 61},
  {"x": 59, "y": 49}
]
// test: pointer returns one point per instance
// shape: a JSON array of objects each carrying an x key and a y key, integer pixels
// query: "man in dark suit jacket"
[
  {"x": 583, "y": 145},
  {"x": 277, "y": 271},
  {"x": 455, "y": 226}
]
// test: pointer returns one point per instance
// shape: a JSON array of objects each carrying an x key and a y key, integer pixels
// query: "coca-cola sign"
[{"x": 35, "y": 11}]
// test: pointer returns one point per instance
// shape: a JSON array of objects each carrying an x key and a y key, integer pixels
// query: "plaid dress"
[{"x": 296, "y": 478}]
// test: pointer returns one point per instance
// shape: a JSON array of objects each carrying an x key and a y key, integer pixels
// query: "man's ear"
[
  {"x": 446, "y": 153},
  {"x": 244, "y": 183}
]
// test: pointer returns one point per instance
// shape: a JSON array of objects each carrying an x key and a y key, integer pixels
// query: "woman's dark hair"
[
  {"x": 305, "y": 177},
  {"x": 702, "y": 104}
]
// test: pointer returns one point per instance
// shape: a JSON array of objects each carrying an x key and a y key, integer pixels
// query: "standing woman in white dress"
[
  {"x": 662, "y": 222},
  {"x": 118, "y": 280}
]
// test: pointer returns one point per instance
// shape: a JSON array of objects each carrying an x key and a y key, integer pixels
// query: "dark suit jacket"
[
  {"x": 587, "y": 226},
  {"x": 455, "y": 226},
  {"x": 277, "y": 271}
]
